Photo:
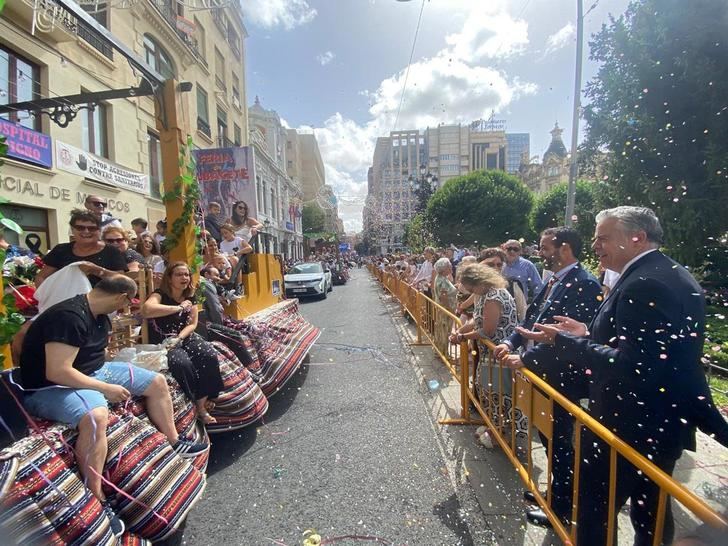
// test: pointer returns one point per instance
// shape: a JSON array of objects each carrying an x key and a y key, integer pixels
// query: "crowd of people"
[
  {"x": 626, "y": 343},
  {"x": 62, "y": 353}
]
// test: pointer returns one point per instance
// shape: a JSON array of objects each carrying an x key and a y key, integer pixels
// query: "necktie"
[{"x": 549, "y": 287}]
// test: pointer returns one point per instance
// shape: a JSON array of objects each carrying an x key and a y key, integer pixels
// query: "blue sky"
[{"x": 337, "y": 67}]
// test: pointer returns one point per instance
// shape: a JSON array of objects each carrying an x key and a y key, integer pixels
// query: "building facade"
[
  {"x": 519, "y": 151},
  {"x": 305, "y": 166},
  {"x": 112, "y": 148},
  {"x": 442, "y": 152},
  {"x": 279, "y": 197},
  {"x": 553, "y": 169}
]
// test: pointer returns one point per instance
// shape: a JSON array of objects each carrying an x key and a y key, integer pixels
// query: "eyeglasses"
[
  {"x": 90, "y": 229},
  {"x": 513, "y": 249},
  {"x": 114, "y": 241},
  {"x": 99, "y": 204},
  {"x": 241, "y": 207}
]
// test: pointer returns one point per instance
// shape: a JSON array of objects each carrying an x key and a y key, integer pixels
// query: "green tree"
[
  {"x": 416, "y": 235},
  {"x": 658, "y": 104},
  {"x": 548, "y": 210},
  {"x": 481, "y": 208},
  {"x": 314, "y": 218}
]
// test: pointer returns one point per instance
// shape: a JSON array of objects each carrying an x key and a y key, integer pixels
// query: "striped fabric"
[
  {"x": 141, "y": 462},
  {"x": 33, "y": 512},
  {"x": 185, "y": 419},
  {"x": 281, "y": 338},
  {"x": 128, "y": 539},
  {"x": 242, "y": 402}
]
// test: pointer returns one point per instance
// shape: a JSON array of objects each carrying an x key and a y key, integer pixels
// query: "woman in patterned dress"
[
  {"x": 494, "y": 319},
  {"x": 444, "y": 294}
]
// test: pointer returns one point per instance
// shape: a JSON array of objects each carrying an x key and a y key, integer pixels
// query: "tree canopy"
[
  {"x": 658, "y": 104},
  {"x": 482, "y": 208},
  {"x": 314, "y": 219},
  {"x": 548, "y": 210}
]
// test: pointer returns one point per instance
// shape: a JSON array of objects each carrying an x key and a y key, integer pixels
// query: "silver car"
[{"x": 308, "y": 279}]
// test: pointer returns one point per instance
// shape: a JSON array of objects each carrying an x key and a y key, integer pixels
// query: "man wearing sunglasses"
[
  {"x": 520, "y": 269},
  {"x": 99, "y": 207}
]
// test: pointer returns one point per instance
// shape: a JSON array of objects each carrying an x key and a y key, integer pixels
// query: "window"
[
  {"x": 157, "y": 58},
  {"x": 220, "y": 70},
  {"x": 273, "y": 203},
  {"x": 19, "y": 81},
  {"x": 155, "y": 165},
  {"x": 236, "y": 91},
  {"x": 289, "y": 145},
  {"x": 289, "y": 164},
  {"x": 200, "y": 37},
  {"x": 222, "y": 125},
  {"x": 237, "y": 135},
  {"x": 203, "y": 114},
  {"x": 100, "y": 13},
  {"x": 93, "y": 127},
  {"x": 234, "y": 41}
]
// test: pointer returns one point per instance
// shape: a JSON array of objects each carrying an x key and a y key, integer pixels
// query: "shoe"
[
  {"x": 529, "y": 496},
  {"x": 189, "y": 450},
  {"x": 538, "y": 517},
  {"x": 116, "y": 523}
]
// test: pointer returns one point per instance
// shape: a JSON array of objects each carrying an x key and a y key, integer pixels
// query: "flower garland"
[{"x": 187, "y": 189}]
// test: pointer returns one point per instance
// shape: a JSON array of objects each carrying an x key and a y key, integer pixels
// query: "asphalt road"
[{"x": 347, "y": 448}]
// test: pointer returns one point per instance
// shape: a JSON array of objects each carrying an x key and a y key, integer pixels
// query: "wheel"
[{"x": 324, "y": 295}]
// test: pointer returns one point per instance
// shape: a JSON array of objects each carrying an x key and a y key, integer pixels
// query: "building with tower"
[{"x": 553, "y": 169}]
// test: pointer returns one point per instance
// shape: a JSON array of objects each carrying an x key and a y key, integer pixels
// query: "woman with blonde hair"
[
  {"x": 496, "y": 258},
  {"x": 494, "y": 319}
]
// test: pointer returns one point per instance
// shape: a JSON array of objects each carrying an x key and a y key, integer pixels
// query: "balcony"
[
  {"x": 204, "y": 127},
  {"x": 86, "y": 33},
  {"x": 168, "y": 12},
  {"x": 220, "y": 83}
]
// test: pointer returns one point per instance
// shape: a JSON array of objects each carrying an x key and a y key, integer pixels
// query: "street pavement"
[{"x": 351, "y": 448}]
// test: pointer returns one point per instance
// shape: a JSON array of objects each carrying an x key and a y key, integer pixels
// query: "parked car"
[{"x": 308, "y": 279}]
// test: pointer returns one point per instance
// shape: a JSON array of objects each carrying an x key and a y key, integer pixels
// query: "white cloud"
[
  {"x": 560, "y": 38},
  {"x": 489, "y": 31},
  {"x": 325, "y": 58},
  {"x": 273, "y": 13},
  {"x": 453, "y": 86}
]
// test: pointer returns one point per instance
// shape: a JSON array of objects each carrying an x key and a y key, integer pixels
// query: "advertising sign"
[
  {"x": 226, "y": 175},
  {"x": 27, "y": 145},
  {"x": 76, "y": 161},
  {"x": 344, "y": 247}
]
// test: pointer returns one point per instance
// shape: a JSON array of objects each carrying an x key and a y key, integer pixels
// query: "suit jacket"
[
  {"x": 642, "y": 358},
  {"x": 577, "y": 295}
]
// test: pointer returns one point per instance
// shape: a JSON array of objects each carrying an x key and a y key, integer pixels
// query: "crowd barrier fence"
[{"x": 536, "y": 399}]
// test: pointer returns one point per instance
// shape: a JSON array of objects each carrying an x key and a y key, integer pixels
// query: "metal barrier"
[{"x": 536, "y": 399}]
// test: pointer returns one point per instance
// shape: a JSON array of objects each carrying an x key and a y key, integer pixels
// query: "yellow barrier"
[{"x": 536, "y": 399}]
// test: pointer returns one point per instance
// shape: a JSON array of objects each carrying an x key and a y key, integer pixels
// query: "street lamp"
[
  {"x": 266, "y": 225},
  {"x": 423, "y": 187}
]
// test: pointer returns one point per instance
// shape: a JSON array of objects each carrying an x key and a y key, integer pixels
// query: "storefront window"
[
  {"x": 35, "y": 227},
  {"x": 93, "y": 138},
  {"x": 19, "y": 81}
]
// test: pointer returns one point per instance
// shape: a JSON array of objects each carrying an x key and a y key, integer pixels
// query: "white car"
[{"x": 308, "y": 279}]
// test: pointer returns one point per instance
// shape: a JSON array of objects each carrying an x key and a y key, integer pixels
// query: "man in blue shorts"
[{"x": 66, "y": 379}]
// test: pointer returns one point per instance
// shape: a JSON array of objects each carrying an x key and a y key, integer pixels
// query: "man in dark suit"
[
  {"x": 642, "y": 355},
  {"x": 572, "y": 292}
]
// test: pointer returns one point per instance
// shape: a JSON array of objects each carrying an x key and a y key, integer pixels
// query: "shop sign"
[
  {"x": 290, "y": 226},
  {"x": 93, "y": 167},
  {"x": 27, "y": 145},
  {"x": 30, "y": 188}
]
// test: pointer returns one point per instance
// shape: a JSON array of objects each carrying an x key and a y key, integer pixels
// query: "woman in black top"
[
  {"x": 118, "y": 238},
  {"x": 86, "y": 247},
  {"x": 172, "y": 315}
]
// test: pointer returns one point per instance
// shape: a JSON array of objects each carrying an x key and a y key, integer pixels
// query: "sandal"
[{"x": 206, "y": 418}]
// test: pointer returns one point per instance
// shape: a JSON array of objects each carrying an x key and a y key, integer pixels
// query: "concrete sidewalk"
[{"x": 493, "y": 480}]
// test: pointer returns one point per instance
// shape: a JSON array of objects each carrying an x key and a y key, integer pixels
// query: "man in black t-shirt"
[{"x": 66, "y": 378}]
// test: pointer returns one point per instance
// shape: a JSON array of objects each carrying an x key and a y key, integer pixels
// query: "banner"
[
  {"x": 27, "y": 145},
  {"x": 76, "y": 161},
  {"x": 226, "y": 175}
]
